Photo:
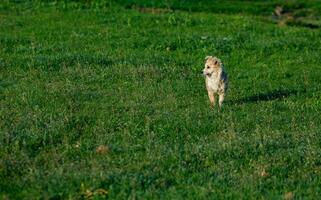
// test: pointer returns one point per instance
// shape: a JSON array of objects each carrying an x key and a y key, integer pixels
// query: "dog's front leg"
[
  {"x": 211, "y": 97},
  {"x": 221, "y": 99}
]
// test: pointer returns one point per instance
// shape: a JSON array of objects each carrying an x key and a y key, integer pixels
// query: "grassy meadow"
[{"x": 105, "y": 100}]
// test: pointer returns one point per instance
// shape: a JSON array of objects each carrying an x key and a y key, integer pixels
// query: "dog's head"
[{"x": 212, "y": 64}]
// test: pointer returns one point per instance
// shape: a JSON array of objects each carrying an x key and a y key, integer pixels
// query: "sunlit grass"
[{"x": 75, "y": 80}]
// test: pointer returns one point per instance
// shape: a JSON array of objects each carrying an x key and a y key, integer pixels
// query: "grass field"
[{"x": 106, "y": 100}]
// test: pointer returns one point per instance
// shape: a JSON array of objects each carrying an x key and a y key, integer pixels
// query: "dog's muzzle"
[{"x": 206, "y": 74}]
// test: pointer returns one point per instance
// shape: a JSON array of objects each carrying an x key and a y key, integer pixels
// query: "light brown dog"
[{"x": 215, "y": 79}]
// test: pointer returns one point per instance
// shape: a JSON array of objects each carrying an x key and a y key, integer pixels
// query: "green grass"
[
  {"x": 257, "y": 7},
  {"x": 75, "y": 77}
]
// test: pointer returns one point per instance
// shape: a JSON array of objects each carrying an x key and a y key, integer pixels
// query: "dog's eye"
[{"x": 208, "y": 67}]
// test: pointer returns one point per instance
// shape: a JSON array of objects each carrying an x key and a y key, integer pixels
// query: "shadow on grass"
[{"x": 269, "y": 96}]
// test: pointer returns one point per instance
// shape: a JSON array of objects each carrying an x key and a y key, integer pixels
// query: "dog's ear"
[{"x": 207, "y": 57}]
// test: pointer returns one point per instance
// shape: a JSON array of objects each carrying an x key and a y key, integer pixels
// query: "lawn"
[{"x": 106, "y": 100}]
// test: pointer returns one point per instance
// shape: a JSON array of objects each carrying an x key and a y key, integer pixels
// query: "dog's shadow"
[{"x": 278, "y": 94}]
